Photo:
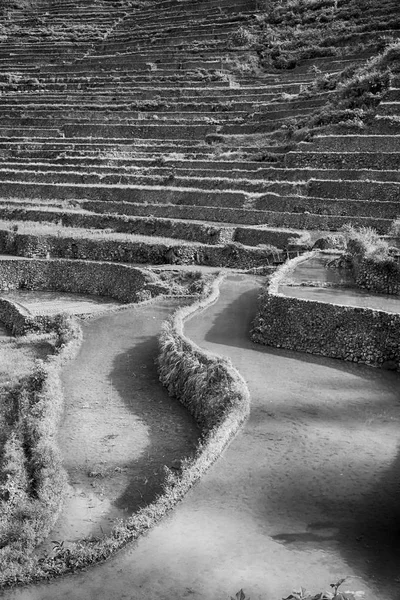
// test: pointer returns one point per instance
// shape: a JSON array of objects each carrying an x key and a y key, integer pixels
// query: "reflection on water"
[{"x": 317, "y": 270}]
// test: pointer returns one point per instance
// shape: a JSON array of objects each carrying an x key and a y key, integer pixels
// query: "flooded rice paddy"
[
  {"x": 316, "y": 270},
  {"x": 51, "y": 303},
  {"x": 306, "y": 493}
]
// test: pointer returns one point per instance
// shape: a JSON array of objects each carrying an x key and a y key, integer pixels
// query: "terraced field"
[
  {"x": 161, "y": 118},
  {"x": 193, "y": 132}
]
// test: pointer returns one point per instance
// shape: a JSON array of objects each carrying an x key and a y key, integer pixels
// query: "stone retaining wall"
[
  {"x": 12, "y": 317},
  {"x": 121, "y": 282},
  {"x": 199, "y": 232},
  {"x": 98, "y": 248},
  {"x": 354, "y": 334},
  {"x": 382, "y": 277}
]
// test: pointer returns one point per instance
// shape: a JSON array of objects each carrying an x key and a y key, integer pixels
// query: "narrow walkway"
[{"x": 305, "y": 494}]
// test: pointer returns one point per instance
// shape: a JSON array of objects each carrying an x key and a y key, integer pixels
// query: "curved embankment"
[
  {"x": 120, "y": 427},
  {"x": 305, "y": 494}
]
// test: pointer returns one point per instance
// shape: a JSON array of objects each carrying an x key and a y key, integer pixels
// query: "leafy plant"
[
  {"x": 240, "y": 595},
  {"x": 304, "y": 594},
  {"x": 394, "y": 229},
  {"x": 365, "y": 242}
]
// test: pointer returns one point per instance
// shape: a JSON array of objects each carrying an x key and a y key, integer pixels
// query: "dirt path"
[
  {"x": 120, "y": 427},
  {"x": 305, "y": 494}
]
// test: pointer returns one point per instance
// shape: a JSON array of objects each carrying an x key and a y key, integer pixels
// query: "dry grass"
[
  {"x": 215, "y": 392},
  {"x": 17, "y": 360},
  {"x": 365, "y": 242},
  {"x": 32, "y": 480}
]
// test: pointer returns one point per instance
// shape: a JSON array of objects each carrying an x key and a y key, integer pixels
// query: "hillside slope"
[{"x": 181, "y": 119}]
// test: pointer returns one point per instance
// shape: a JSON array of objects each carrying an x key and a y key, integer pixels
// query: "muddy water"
[
  {"x": 50, "y": 303},
  {"x": 317, "y": 268},
  {"x": 344, "y": 296},
  {"x": 305, "y": 494},
  {"x": 120, "y": 427}
]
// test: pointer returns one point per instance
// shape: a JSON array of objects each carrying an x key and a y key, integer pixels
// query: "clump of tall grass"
[
  {"x": 32, "y": 479},
  {"x": 394, "y": 229},
  {"x": 201, "y": 383},
  {"x": 291, "y": 31},
  {"x": 356, "y": 92},
  {"x": 365, "y": 242}
]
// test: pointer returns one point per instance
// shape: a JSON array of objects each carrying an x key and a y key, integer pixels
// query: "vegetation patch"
[
  {"x": 45, "y": 241},
  {"x": 292, "y": 31},
  {"x": 374, "y": 262},
  {"x": 304, "y": 594},
  {"x": 354, "y": 96},
  {"x": 365, "y": 242},
  {"x": 351, "y": 333},
  {"x": 216, "y": 395},
  {"x": 358, "y": 90},
  {"x": 32, "y": 479}
]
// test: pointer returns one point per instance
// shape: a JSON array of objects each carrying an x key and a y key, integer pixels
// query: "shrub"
[
  {"x": 333, "y": 241},
  {"x": 394, "y": 229},
  {"x": 303, "y": 594},
  {"x": 365, "y": 242},
  {"x": 242, "y": 37},
  {"x": 294, "y": 30},
  {"x": 32, "y": 480}
]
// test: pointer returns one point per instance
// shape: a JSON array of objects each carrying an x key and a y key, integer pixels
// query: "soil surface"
[
  {"x": 120, "y": 427},
  {"x": 305, "y": 494}
]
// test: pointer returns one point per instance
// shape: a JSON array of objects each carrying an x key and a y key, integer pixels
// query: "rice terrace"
[{"x": 200, "y": 299}]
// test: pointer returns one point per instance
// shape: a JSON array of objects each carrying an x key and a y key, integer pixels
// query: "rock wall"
[
  {"x": 12, "y": 317},
  {"x": 121, "y": 251},
  {"x": 382, "y": 277},
  {"x": 360, "y": 335},
  {"x": 121, "y": 282}
]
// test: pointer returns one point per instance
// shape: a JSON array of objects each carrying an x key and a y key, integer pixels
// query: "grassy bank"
[
  {"x": 32, "y": 479},
  {"x": 355, "y": 92},
  {"x": 215, "y": 394},
  {"x": 44, "y": 240},
  {"x": 295, "y": 30}
]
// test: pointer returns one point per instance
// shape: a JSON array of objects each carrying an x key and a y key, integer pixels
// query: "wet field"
[{"x": 306, "y": 493}]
